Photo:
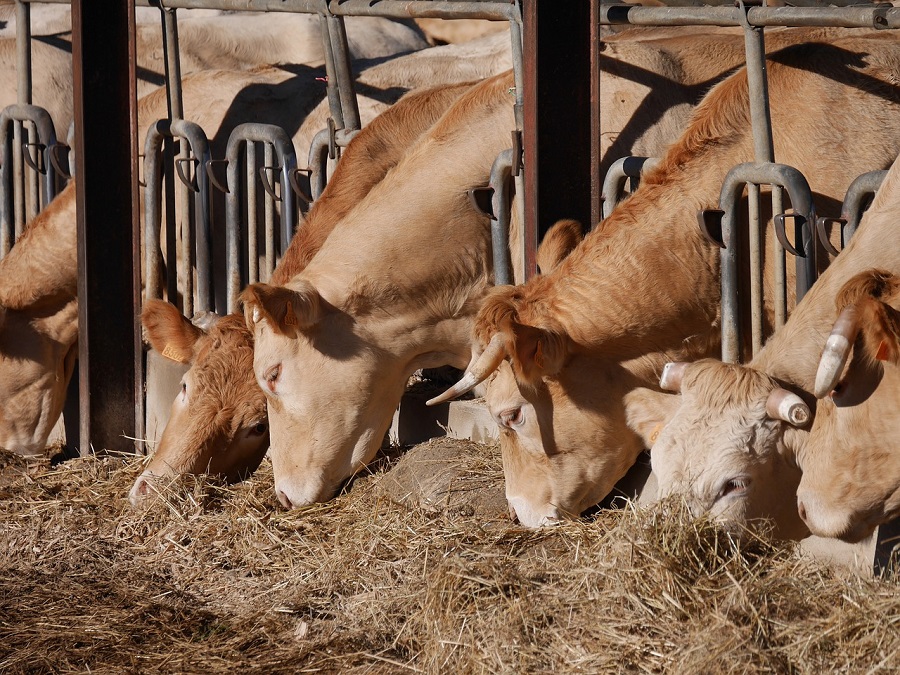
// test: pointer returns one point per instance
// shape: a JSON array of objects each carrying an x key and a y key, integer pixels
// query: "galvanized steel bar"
[
  {"x": 11, "y": 185},
  {"x": 287, "y": 161},
  {"x": 331, "y": 78},
  {"x": 501, "y": 173},
  {"x": 619, "y": 171},
  {"x": 780, "y": 259},
  {"x": 23, "y": 53},
  {"x": 422, "y": 9},
  {"x": 341, "y": 51},
  {"x": 250, "y": 167},
  {"x": 318, "y": 163},
  {"x": 173, "y": 62},
  {"x": 851, "y": 209},
  {"x": 801, "y": 199},
  {"x": 756, "y": 281},
  {"x": 269, "y": 215},
  {"x": 869, "y": 16}
]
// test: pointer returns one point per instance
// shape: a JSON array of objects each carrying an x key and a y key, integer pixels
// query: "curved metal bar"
[
  {"x": 619, "y": 171},
  {"x": 61, "y": 165},
  {"x": 318, "y": 163},
  {"x": 851, "y": 210},
  {"x": 287, "y": 161},
  {"x": 764, "y": 173},
  {"x": 153, "y": 169},
  {"x": 501, "y": 175},
  {"x": 46, "y": 137}
]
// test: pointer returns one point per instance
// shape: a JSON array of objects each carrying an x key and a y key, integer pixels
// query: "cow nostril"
[
  {"x": 801, "y": 510},
  {"x": 512, "y": 515},
  {"x": 283, "y": 498}
]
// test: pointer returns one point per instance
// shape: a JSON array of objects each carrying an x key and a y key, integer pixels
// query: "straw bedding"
[{"x": 404, "y": 572}]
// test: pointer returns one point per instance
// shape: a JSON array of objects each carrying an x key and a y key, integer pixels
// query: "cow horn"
[
  {"x": 478, "y": 372},
  {"x": 670, "y": 380},
  {"x": 837, "y": 351},
  {"x": 205, "y": 320},
  {"x": 786, "y": 406}
]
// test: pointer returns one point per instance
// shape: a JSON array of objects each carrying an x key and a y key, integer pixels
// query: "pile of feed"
[{"x": 404, "y": 574}]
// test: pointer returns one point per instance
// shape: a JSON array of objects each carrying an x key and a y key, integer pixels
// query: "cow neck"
[
  {"x": 652, "y": 241},
  {"x": 414, "y": 245},
  {"x": 43, "y": 262}
]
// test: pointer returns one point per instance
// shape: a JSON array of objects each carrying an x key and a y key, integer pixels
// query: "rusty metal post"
[
  {"x": 557, "y": 136},
  {"x": 109, "y": 347}
]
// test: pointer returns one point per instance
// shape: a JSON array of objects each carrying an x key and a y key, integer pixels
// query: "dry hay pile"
[{"x": 218, "y": 579}]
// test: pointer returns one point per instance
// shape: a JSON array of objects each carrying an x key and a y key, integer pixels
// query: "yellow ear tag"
[
  {"x": 655, "y": 433},
  {"x": 171, "y": 352},
  {"x": 290, "y": 318},
  {"x": 882, "y": 353}
]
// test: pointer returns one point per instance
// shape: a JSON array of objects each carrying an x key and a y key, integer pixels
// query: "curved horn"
[
  {"x": 786, "y": 406},
  {"x": 837, "y": 351},
  {"x": 477, "y": 373},
  {"x": 670, "y": 380},
  {"x": 205, "y": 320}
]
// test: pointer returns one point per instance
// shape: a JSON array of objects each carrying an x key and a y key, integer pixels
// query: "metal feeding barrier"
[
  {"x": 859, "y": 192},
  {"x": 621, "y": 172},
  {"x": 195, "y": 223},
  {"x": 276, "y": 140},
  {"x": 27, "y": 173}
]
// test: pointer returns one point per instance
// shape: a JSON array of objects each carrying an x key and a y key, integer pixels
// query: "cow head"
[
  {"x": 563, "y": 434},
  {"x": 724, "y": 442},
  {"x": 330, "y": 383},
  {"x": 851, "y": 469},
  {"x": 38, "y": 349},
  {"x": 218, "y": 422}
]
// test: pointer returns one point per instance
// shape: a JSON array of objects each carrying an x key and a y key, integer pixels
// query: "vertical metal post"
[
  {"x": 596, "y": 178},
  {"x": 23, "y": 95},
  {"x": 252, "y": 224},
  {"x": 341, "y": 54},
  {"x": 557, "y": 106},
  {"x": 109, "y": 349}
]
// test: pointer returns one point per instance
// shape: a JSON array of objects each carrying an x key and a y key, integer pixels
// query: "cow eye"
[
  {"x": 512, "y": 418},
  {"x": 260, "y": 428},
  {"x": 183, "y": 390},
  {"x": 735, "y": 486},
  {"x": 271, "y": 376}
]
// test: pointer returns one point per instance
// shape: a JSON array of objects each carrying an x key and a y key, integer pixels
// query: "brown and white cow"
[
  {"x": 218, "y": 422},
  {"x": 658, "y": 59},
  {"x": 644, "y": 286},
  {"x": 737, "y": 437}
]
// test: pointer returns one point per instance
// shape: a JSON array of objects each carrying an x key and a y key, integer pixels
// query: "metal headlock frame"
[
  {"x": 851, "y": 210},
  {"x": 275, "y": 139},
  {"x": 197, "y": 144},
  {"x": 14, "y": 153}
]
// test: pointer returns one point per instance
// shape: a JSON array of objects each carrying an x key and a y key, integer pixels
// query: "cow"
[
  {"x": 482, "y": 57},
  {"x": 218, "y": 423},
  {"x": 242, "y": 41},
  {"x": 219, "y": 101},
  {"x": 736, "y": 438},
  {"x": 644, "y": 285}
]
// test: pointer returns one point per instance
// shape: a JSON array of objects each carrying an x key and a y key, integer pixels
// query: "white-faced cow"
[
  {"x": 643, "y": 288},
  {"x": 737, "y": 437}
]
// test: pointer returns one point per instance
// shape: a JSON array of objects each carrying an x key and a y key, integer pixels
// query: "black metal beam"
[
  {"x": 103, "y": 57},
  {"x": 557, "y": 134}
]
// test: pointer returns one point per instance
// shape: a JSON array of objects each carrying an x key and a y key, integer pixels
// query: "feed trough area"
[{"x": 410, "y": 569}]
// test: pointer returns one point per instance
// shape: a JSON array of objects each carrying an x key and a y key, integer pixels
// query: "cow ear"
[
  {"x": 168, "y": 332},
  {"x": 287, "y": 310},
  {"x": 559, "y": 242},
  {"x": 648, "y": 412},
  {"x": 538, "y": 353}
]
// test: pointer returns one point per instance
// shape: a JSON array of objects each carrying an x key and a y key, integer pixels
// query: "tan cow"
[
  {"x": 218, "y": 101},
  {"x": 479, "y": 57},
  {"x": 334, "y": 348},
  {"x": 736, "y": 438},
  {"x": 242, "y": 41},
  {"x": 644, "y": 286},
  {"x": 218, "y": 422}
]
